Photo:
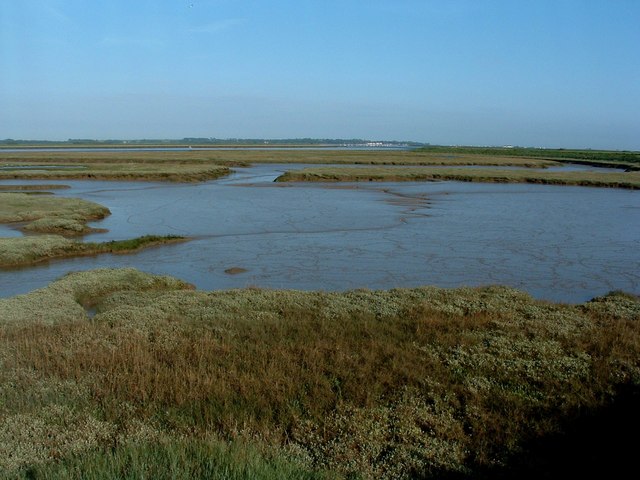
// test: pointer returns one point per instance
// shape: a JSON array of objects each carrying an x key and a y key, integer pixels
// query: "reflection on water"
[{"x": 558, "y": 243}]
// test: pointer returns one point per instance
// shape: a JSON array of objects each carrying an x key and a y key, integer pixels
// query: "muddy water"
[{"x": 558, "y": 243}]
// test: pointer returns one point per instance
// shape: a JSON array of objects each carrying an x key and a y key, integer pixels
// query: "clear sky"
[{"x": 552, "y": 73}]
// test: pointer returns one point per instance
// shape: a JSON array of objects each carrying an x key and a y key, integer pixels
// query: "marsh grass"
[
  {"x": 240, "y": 157},
  {"x": 31, "y": 187},
  {"x": 114, "y": 170},
  {"x": 66, "y": 216},
  {"x": 21, "y": 251},
  {"x": 130, "y": 245},
  {"x": 629, "y": 180},
  {"x": 380, "y": 384},
  {"x": 50, "y": 214},
  {"x": 606, "y": 158},
  {"x": 175, "y": 459}
]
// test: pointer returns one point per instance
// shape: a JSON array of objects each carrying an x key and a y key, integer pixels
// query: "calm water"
[{"x": 558, "y": 243}]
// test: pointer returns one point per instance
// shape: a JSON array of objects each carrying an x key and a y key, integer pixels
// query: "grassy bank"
[
  {"x": 112, "y": 171},
  {"x": 345, "y": 174},
  {"x": 50, "y": 214},
  {"x": 60, "y": 218},
  {"x": 32, "y": 188},
  {"x": 22, "y": 251},
  {"x": 197, "y": 165},
  {"x": 247, "y": 157},
  {"x": 405, "y": 383},
  {"x": 605, "y": 158}
]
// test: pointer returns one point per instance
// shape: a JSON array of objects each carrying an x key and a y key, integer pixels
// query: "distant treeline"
[
  {"x": 208, "y": 141},
  {"x": 590, "y": 156}
]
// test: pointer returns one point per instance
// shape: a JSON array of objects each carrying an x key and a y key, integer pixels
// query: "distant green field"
[{"x": 604, "y": 157}]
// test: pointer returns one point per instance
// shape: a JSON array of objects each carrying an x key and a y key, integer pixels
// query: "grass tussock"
[
  {"x": 404, "y": 383},
  {"x": 21, "y": 251},
  {"x": 50, "y": 214},
  {"x": 630, "y": 180}
]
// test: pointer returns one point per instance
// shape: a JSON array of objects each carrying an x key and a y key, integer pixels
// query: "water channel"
[{"x": 558, "y": 243}]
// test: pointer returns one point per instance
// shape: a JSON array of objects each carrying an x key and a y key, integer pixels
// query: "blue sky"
[{"x": 552, "y": 73}]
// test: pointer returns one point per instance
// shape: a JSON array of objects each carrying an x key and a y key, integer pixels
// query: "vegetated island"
[
  {"x": 630, "y": 180},
  {"x": 64, "y": 217},
  {"x": 50, "y": 214},
  {"x": 108, "y": 169},
  {"x": 603, "y": 158},
  {"x": 113, "y": 373},
  {"x": 23, "y": 251}
]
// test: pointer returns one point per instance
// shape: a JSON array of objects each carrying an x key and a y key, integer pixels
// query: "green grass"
[
  {"x": 50, "y": 214},
  {"x": 200, "y": 165},
  {"x": 110, "y": 170},
  {"x": 630, "y": 180},
  {"x": 59, "y": 215},
  {"x": 174, "y": 459},
  {"x": 21, "y": 251},
  {"x": 164, "y": 160},
  {"x": 130, "y": 245},
  {"x": 629, "y": 159},
  {"x": 404, "y": 383}
]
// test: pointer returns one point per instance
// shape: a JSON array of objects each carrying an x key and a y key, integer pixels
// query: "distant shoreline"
[
  {"x": 187, "y": 148},
  {"x": 209, "y": 143}
]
